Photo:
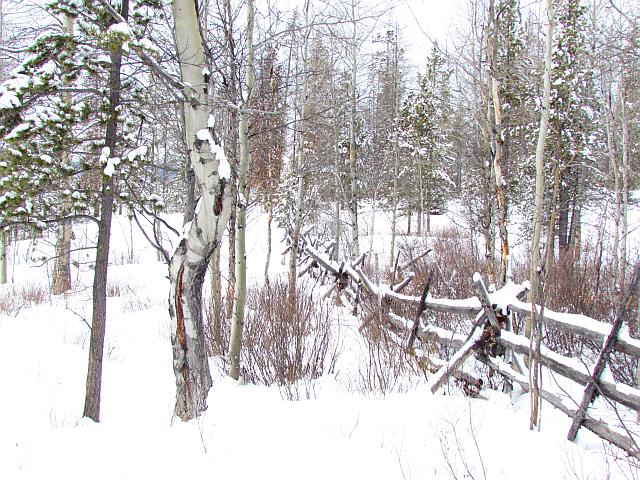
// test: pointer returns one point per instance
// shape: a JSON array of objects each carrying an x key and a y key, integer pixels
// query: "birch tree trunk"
[
  {"x": 232, "y": 144},
  {"x": 299, "y": 169},
  {"x": 484, "y": 90},
  {"x": 488, "y": 207},
  {"x": 62, "y": 263},
  {"x": 394, "y": 211},
  {"x": 534, "y": 274},
  {"x": 202, "y": 235},
  {"x": 99, "y": 315},
  {"x": 235, "y": 342},
  {"x": 500, "y": 195}
]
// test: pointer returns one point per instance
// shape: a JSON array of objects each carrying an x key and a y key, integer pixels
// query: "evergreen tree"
[
  {"x": 425, "y": 137},
  {"x": 576, "y": 146}
]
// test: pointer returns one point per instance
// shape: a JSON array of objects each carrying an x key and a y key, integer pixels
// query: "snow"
[
  {"x": 205, "y": 135},
  {"x": 248, "y": 431},
  {"x": 147, "y": 44},
  {"x": 121, "y": 29},
  {"x": 141, "y": 151},
  {"x": 224, "y": 169},
  {"x": 9, "y": 99}
]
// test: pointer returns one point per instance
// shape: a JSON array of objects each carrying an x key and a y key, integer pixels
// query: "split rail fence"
[{"x": 492, "y": 342}]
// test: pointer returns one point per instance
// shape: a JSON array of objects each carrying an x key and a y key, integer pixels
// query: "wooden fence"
[{"x": 492, "y": 314}]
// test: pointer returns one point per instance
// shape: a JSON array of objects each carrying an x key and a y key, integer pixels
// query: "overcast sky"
[{"x": 421, "y": 21}]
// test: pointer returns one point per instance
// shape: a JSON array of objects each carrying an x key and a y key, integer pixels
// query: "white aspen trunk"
[
  {"x": 202, "y": 235},
  {"x": 232, "y": 143},
  {"x": 500, "y": 195},
  {"x": 372, "y": 226},
  {"x": 534, "y": 276},
  {"x": 158, "y": 235},
  {"x": 355, "y": 247},
  {"x": 300, "y": 170},
  {"x": 62, "y": 264},
  {"x": 421, "y": 209},
  {"x": 335, "y": 254},
  {"x": 487, "y": 169},
  {"x": 237, "y": 325}
]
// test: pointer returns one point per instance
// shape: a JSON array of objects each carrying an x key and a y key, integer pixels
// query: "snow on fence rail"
[{"x": 491, "y": 326}]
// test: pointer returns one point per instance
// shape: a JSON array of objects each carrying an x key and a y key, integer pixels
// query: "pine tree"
[
  {"x": 424, "y": 133},
  {"x": 574, "y": 110}
]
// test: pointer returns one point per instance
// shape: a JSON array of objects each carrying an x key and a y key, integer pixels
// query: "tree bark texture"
[
  {"x": 202, "y": 236},
  {"x": 62, "y": 263},
  {"x": 237, "y": 326},
  {"x": 299, "y": 169},
  {"x": 500, "y": 195},
  {"x": 99, "y": 315},
  {"x": 534, "y": 274}
]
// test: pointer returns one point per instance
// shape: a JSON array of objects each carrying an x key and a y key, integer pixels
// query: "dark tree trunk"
[
  {"x": 564, "y": 206},
  {"x": 62, "y": 266},
  {"x": 99, "y": 317}
]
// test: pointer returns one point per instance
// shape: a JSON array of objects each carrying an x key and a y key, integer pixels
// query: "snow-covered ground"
[{"x": 248, "y": 432}]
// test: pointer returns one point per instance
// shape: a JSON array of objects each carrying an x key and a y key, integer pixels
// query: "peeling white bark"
[{"x": 189, "y": 263}]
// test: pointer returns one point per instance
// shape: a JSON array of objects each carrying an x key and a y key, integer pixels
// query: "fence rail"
[{"x": 487, "y": 308}]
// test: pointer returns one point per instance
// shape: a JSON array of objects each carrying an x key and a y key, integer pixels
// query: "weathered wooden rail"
[{"x": 491, "y": 312}]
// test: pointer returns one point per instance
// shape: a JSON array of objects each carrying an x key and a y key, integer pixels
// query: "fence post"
[{"x": 592, "y": 386}]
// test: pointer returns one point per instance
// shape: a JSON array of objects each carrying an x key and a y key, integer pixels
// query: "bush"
[
  {"x": 287, "y": 345},
  {"x": 14, "y": 297}
]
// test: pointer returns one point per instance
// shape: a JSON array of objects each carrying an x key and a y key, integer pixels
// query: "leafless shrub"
[
  {"x": 457, "y": 455},
  {"x": 388, "y": 367},
  {"x": 287, "y": 345},
  {"x": 136, "y": 303},
  {"x": 217, "y": 328},
  {"x": 454, "y": 262},
  {"x": 15, "y": 297},
  {"x": 123, "y": 258},
  {"x": 582, "y": 282},
  {"x": 115, "y": 289}
]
